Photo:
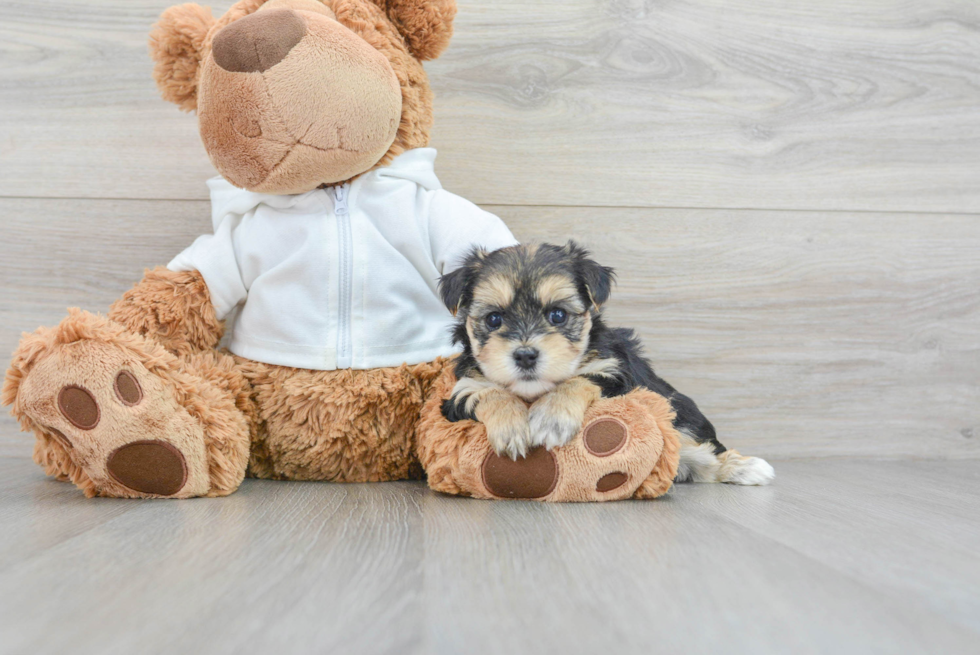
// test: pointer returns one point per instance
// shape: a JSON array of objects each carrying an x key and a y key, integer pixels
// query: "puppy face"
[{"x": 524, "y": 313}]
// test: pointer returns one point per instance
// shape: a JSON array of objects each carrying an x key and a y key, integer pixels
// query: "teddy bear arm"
[
  {"x": 627, "y": 447},
  {"x": 172, "y": 308}
]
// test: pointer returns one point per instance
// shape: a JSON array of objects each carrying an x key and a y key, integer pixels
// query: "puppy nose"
[
  {"x": 259, "y": 41},
  {"x": 526, "y": 358}
]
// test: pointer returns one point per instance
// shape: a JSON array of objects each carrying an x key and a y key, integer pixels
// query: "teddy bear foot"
[
  {"x": 604, "y": 462},
  {"x": 118, "y": 422},
  {"x": 536, "y": 475},
  {"x": 627, "y": 448},
  {"x": 108, "y": 416}
]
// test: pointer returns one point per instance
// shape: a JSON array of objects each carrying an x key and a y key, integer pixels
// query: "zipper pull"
[{"x": 340, "y": 199}]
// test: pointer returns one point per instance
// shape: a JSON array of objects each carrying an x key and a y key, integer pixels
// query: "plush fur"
[
  {"x": 210, "y": 417},
  {"x": 184, "y": 404},
  {"x": 323, "y": 115},
  {"x": 173, "y": 309},
  {"x": 344, "y": 425},
  {"x": 176, "y": 45},
  {"x": 426, "y": 25}
]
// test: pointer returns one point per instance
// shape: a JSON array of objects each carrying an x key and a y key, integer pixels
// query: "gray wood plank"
[
  {"x": 307, "y": 567},
  {"x": 695, "y": 103},
  {"x": 236, "y": 575},
  {"x": 667, "y": 577},
  {"x": 79, "y": 112},
  {"x": 43, "y": 513},
  {"x": 706, "y": 103},
  {"x": 911, "y": 526},
  {"x": 799, "y": 334}
]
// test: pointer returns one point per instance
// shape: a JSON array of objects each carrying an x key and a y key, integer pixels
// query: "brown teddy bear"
[{"x": 331, "y": 232}]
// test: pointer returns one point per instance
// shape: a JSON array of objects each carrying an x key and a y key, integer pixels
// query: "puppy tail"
[{"x": 700, "y": 463}]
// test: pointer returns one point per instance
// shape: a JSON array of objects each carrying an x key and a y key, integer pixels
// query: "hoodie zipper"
[{"x": 345, "y": 242}]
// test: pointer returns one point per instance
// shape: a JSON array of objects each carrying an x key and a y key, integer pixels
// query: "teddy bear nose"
[{"x": 259, "y": 41}]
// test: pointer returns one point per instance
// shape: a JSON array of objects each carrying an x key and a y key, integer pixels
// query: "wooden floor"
[
  {"x": 839, "y": 556},
  {"x": 788, "y": 189}
]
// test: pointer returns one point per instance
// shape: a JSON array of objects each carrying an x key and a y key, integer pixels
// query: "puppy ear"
[
  {"x": 426, "y": 25},
  {"x": 455, "y": 287},
  {"x": 597, "y": 279},
  {"x": 176, "y": 45}
]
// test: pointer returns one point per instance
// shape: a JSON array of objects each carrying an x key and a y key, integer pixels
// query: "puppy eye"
[
  {"x": 557, "y": 316},
  {"x": 494, "y": 320}
]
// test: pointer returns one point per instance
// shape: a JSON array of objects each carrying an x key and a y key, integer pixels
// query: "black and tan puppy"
[{"x": 529, "y": 321}]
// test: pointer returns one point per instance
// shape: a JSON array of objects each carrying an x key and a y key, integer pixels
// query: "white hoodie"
[{"x": 344, "y": 277}]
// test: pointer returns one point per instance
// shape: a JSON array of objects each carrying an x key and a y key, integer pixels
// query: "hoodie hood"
[{"x": 416, "y": 166}]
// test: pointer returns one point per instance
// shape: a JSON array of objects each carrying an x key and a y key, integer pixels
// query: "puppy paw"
[
  {"x": 505, "y": 418},
  {"x": 748, "y": 471},
  {"x": 553, "y": 423},
  {"x": 510, "y": 439},
  {"x": 503, "y": 414}
]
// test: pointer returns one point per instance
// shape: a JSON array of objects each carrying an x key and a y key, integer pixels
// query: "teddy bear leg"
[
  {"x": 627, "y": 447},
  {"x": 120, "y": 416},
  {"x": 344, "y": 425}
]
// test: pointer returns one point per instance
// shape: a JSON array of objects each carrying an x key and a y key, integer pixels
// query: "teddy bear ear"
[
  {"x": 426, "y": 25},
  {"x": 176, "y": 44}
]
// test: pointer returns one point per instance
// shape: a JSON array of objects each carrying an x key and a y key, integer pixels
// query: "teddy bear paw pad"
[
  {"x": 78, "y": 405},
  {"x": 604, "y": 437},
  {"x": 148, "y": 466},
  {"x": 128, "y": 389},
  {"x": 611, "y": 481},
  {"x": 533, "y": 476}
]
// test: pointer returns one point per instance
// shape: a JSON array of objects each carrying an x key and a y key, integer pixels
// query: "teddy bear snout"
[{"x": 258, "y": 42}]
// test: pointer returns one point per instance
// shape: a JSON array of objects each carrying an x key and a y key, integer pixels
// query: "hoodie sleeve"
[
  {"x": 456, "y": 225},
  {"x": 213, "y": 256}
]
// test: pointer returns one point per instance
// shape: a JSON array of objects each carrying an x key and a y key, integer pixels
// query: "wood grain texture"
[
  {"x": 900, "y": 510},
  {"x": 834, "y": 558},
  {"x": 799, "y": 334},
  {"x": 693, "y": 103}
]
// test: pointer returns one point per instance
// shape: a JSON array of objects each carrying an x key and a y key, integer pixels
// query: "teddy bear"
[{"x": 330, "y": 234}]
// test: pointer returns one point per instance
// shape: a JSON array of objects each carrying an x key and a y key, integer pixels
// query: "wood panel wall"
[{"x": 789, "y": 190}]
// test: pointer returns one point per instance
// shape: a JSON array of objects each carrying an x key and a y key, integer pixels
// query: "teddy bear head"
[{"x": 292, "y": 95}]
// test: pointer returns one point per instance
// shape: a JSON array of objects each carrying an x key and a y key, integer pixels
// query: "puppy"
[{"x": 536, "y": 354}]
